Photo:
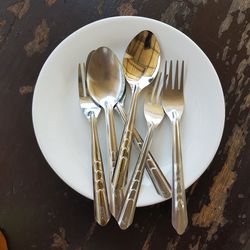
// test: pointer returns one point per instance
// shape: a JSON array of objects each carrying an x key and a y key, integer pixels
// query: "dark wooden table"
[{"x": 39, "y": 211}]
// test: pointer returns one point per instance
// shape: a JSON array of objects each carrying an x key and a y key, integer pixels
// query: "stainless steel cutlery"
[
  {"x": 106, "y": 86},
  {"x": 91, "y": 112},
  {"x": 157, "y": 177},
  {"x": 173, "y": 105},
  {"x": 154, "y": 114},
  {"x": 140, "y": 64},
  {"x": 102, "y": 86}
]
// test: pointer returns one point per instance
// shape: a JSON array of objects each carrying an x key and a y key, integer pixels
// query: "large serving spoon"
[
  {"x": 106, "y": 86},
  {"x": 140, "y": 65}
]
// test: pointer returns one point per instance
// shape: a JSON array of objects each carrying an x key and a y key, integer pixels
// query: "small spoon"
[
  {"x": 106, "y": 86},
  {"x": 140, "y": 65}
]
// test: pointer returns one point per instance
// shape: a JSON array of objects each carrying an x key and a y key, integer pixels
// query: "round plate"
[{"x": 63, "y": 133}]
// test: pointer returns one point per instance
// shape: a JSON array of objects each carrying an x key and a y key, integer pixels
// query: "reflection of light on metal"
[
  {"x": 127, "y": 56},
  {"x": 141, "y": 57}
]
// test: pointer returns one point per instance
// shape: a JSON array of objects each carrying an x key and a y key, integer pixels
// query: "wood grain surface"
[{"x": 39, "y": 211}]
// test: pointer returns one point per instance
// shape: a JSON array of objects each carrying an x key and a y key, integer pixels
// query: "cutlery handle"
[
  {"x": 128, "y": 209},
  {"x": 119, "y": 179},
  {"x": 157, "y": 177},
  {"x": 112, "y": 153},
  {"x": 179, "y": 206},
  {"x": 111, "y": 139},
  {"x": 101, "y": 207}
]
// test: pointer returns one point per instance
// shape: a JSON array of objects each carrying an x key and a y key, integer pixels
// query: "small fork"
[
  {"x": 91, "y": 112},
  {"x": 173, "y": 105},
  {"x": 154, "y": 114}
]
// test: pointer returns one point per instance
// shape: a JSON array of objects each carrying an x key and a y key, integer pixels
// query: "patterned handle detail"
[
  {"x": 157, "y": 177},
  {"x": 128, "y": 210},
  {"x": 160, "y": 182},
  {"x": 123, "y": 159},
  {"x": 119, "y": 179},
  {"x": 129, "y": 206},
  {"x": 179, "y": 206},
  {"x": 101, "y": 207}
]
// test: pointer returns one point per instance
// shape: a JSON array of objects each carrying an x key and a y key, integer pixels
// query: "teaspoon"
[
  {"x": 140, "y": 65},
  {"x": 106, "y": 86}
]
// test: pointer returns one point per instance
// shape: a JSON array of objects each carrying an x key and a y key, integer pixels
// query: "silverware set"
[{"x": 102, "y": 85}]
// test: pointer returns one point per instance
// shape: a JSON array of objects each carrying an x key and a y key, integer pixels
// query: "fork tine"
[
  {"x": 84, "y": 70},
  {"x": 176, "y": 80},
  {"x": 85, "y": 92},
  {"x": 169, "y": 86},
  {"x": 182, "y": 76},
  {"x": 80, "y": 82},
  {"x": 154, "y": 91},
  {"x": 159, "y": 89},
  {"x": 165, "y": 74}
]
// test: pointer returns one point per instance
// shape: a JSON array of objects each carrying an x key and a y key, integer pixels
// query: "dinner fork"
[
  {"x": 91, "y": 112},
  {"x": 173, "y": 105},
  {"x": 154, "y": 114}
]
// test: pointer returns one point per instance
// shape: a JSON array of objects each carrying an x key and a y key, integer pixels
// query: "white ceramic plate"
[{"x": 63, "y": 133}]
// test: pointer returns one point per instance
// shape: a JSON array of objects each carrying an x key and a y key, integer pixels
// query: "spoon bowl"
[
  {"x": 104, "y": 76},
  {"x": 141, "y": 61}
]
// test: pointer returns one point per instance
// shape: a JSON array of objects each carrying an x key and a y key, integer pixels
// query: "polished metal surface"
[
  {"x": 140, "y": 64},
  {"x": 154, "y": 114},
  {"x": 173, "y": 104},
  {"x": 106, "y": 86},
  {"x": 91, "y": 112},
  {"x": 157, "y": 177}
]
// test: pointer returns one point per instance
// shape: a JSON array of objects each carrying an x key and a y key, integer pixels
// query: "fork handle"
[
  {"x": 157, "y": 177},
  {"x": 101, "y": 207},
  {"x": 128, "y": 209},
  {"x": 179, "y": 206}
]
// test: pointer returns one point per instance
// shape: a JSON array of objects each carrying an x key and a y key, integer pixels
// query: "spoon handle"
[
  {"x": 112, "y": 154},
  {"x": 111, "y": 139},
  {"x": 101, "y": 207},
  {"x": 157, "y": 177},
  {"x": 128, "y": 209},
  {"x": 119, "y": 178}
]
